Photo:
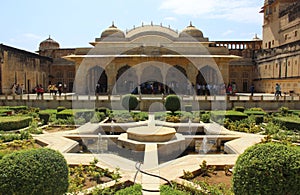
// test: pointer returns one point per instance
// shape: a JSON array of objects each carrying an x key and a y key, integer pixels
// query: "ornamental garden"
[{"x": 31, "y": 164}]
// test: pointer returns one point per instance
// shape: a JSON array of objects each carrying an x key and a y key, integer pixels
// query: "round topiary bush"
[
  {"x": 129, "y": 102},
  {"x": 35, "y": 172},
  {"x": 268, "y": 168},
  {"x": 172, "y": 103}
]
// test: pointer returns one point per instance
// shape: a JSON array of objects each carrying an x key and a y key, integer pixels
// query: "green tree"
[
  {"x": 129, "y": 102},
  {"x": 172, "y": 103}
]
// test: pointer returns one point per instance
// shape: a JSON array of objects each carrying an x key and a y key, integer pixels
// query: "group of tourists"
[
  {"x": 17, "y": 89},
  {"x": 54, "y": 89}
]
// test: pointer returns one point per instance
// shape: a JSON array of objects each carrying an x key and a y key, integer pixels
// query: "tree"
[
  {"x": 172, "y": 103},
  {"x": 129, "y": 102}
]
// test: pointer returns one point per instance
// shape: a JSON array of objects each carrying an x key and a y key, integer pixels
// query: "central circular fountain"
[{"x": 151, "y": 134}]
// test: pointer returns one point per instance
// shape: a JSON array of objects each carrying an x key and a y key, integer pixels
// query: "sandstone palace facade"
[{"x": 166, "y": 60}]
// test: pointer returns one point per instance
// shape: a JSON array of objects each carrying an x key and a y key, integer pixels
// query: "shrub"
[
  {"x": 86, "y": 114},
  {"x": 256, "y": 109},
  {"x": 267, "y": 168},
  {"x": 188, "y": 108},
  {"x": 291, "y": 123},
  {"x": 132, "y": 190},
  {"x": 254, "y": 112},
  {"x": 105, "y": 110},
  {"x": 239, "y": 108},
  {"x": 98, "y": 117},
  {"x": 168, "y": 190},
  {"x": 36, "y": 171},
  {"x": 64, "y": 114},
  {"x": 14, "y": 122},
  {"x": 45, "y": 117},
  {"x": 18, "y": 109},
  {"x": 129, "y": 102},
  {"x": 172, "y": 103},
  {"x": 230, "y": 114},
  {"x": 60, "y": 108},
  {"x": 283, "y": 110},
  {"x": 205, "y": 117},
  {"x": 259, "y": 119}
]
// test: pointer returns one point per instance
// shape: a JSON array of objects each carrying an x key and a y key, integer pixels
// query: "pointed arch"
[
  {"x": 96, "y": 80},
  {"x": 126, "y": 80},
  {"x": 207, "y": 75},
  {"x": 176, "y": 80}
]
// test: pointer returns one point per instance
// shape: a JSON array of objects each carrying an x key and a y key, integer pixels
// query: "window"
[
  {"x": 296, "y": 33},
  {"x": 273, "y": 42},
  {"x": 245, "y": 75},
  {"x": 286, "y": 37},
  {"x": 70, "y": 74}
]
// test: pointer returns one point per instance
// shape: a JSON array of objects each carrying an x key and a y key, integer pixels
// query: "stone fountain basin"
[{"x": 151, "y": 133}]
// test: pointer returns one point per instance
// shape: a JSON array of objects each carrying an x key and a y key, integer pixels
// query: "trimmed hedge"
[
  {"x": 45, "y": 117},
  {"x": 65, "y": 114},
  {"x": 18, "y": 108},
  {"x": 172, "y": 103},
  {"x": 9, "y": 123},
  {"x": 105, "y": 110},
  {"x": 268, "y": 168},
  {"x": 239, "y": 108},
  {"x": 98, "y": 117},
  {"x": 60, "y": 108},
  {"x": 129, "y": 102},
  {"x": 254, "y": 112},
  {"x": 37, "y": 171},
  {"x": 291, "y": 123},
  {"x": 218, "y": 116},
  {"x": 86, "y": 114}
]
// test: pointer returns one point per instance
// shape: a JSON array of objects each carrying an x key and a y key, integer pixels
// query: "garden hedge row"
[
  {"x": 218, "y": 116},
  {"x": 65, "y": 114},
  {"x": 9, "y": 123},
  {"x": 291, "y": 123}
]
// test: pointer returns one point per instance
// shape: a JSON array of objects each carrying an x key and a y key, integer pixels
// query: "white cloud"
[
  {"x": 32, "y": 36},
  {"x": 228, "y": 32},
  {"x": 234, "y": 10},
  {"x": 26, "y": 38},
  {"x": 170, "y": 19}
]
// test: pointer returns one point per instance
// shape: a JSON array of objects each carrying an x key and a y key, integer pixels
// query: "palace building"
[{"x": 157, "y": 59}]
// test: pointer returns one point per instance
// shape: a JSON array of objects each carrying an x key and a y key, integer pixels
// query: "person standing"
[
  {"x": 277, "y": 90},
  {"x": 252, "y": 89}
]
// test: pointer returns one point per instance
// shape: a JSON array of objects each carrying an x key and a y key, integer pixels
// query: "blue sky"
[{"x": 75, "y": 23}]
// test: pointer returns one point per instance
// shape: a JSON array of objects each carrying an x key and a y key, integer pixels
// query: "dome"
[
  {"x": 255, "y": 38},
  {"x": 191, "y": 31},
  {"x": 112, "y": 32},
  {"x": 49, "y": 44}
]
